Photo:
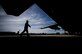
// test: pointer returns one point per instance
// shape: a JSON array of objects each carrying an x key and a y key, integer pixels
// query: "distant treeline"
[
  {"x": 46, "y": 33},
  {"x": 13, "y": 33},
  {"x": 7, "y": 33}
]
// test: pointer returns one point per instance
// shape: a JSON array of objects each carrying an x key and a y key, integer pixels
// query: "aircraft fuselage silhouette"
[{"x": 55, "y": 26}]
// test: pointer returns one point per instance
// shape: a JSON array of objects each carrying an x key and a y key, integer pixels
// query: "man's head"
[{"x": 26, "y": 20}]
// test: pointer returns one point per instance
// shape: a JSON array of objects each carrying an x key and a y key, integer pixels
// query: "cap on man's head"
[{"x": 26, "y": 20}]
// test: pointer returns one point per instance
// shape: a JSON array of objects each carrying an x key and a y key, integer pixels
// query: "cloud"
[
  {"x": 37, "y": 19},
  {"x": 2, "y": 12},
  {"x": 38, "y": 30}
]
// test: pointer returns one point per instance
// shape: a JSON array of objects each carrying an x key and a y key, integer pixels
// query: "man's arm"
[{"x": 29, "y": 25}]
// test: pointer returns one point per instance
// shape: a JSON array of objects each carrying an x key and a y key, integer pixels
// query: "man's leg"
[
  {"x": 27, "y": 33},
  {"x": 22, "y": 32}
]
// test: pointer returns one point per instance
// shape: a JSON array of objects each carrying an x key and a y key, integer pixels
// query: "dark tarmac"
[
  {"x": 42, "y": 40},
  {"x": 41, "y": 36}
]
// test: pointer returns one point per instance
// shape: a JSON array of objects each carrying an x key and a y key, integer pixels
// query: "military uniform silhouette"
[{"x": 26, "y": 28}]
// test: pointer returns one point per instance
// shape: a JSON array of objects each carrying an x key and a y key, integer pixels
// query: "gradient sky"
[{"x": 37, "y": 19}]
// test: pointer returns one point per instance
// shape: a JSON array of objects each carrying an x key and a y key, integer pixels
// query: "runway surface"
[
  {"x": 41, "y": 36},
  {"x": 42, "y": 40}
]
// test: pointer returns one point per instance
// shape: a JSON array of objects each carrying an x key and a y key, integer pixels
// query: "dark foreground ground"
[{"x": 42, "y": 40}]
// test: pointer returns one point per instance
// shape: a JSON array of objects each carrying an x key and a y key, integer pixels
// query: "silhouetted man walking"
[{"x": 26, "y": 28}]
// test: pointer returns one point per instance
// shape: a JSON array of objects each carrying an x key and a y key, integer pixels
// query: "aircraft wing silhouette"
[{"x": 55, "y": 26}]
